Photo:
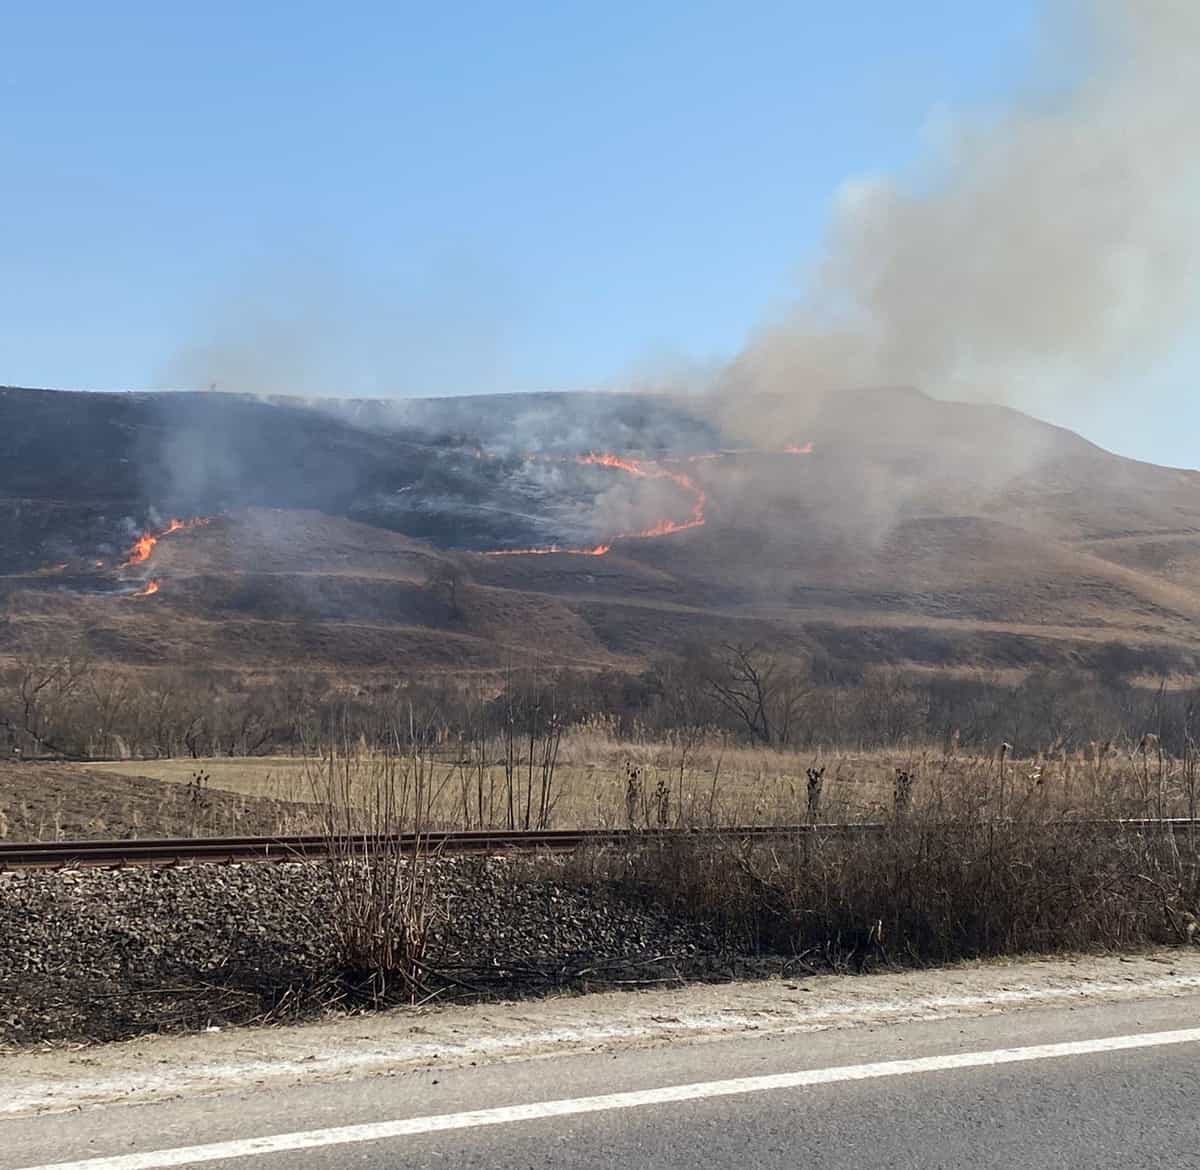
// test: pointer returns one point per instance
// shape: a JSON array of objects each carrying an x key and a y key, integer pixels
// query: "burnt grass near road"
[{"x": 102, "y": 955}]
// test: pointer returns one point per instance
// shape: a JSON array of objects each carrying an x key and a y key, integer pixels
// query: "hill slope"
[{"x": 353, "y": 536}]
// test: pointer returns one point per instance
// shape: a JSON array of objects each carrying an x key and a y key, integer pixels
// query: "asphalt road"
[{"x": 1091, "y": 1086}]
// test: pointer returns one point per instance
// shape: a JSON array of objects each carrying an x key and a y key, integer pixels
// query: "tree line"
[{"x": 57, "y": 700}]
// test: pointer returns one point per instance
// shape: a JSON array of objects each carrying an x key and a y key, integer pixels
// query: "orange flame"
[
  {"x": 142, "y": 548},
  {"x": 696, "y": 518},
  {"x": 149, "y": 589},
  {"x": 630, "y": 466},
  {"x": 653, "y": 471},
  {"x": 639, "y": 470},
  {"x": 643, "y": 470},
  {"x": 139, "y": 554}
]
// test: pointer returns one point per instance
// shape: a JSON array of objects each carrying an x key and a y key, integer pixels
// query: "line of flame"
[
  {"x": 655, "y": 471},
  {"x": 642, "y": 470},
  {"x": 140, "y": 552},
  {"x": 639, "y": 470}
]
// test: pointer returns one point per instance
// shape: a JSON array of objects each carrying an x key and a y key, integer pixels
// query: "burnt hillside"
[{"x": 882, "y": 526}]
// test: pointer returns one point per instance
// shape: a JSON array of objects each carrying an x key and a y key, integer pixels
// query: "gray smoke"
[
  {"x": 1040, "y": 255},
  {"x": 318, "y": 329}
]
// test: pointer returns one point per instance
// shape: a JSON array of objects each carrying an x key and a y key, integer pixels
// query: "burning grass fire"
[
  {"x": 653, "y": 471},
  {"x": 641, "y": 469},
  {"x": 145, "y": 544},
  {"x": 689, "y": 512},
  {"x": 139, "y": 554}
]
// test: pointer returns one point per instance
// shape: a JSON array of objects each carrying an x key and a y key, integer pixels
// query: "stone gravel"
[{"x": 101, "y": 954}]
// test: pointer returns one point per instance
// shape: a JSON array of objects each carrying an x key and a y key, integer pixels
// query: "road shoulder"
[{"x": 162, "y": 1068}]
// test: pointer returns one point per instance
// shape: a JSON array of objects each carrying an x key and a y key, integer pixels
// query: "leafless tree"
[
  {"x": 760, "y": 689},
  {"x": 48, "y": 675},
  {"x": 446, "y": 580}
]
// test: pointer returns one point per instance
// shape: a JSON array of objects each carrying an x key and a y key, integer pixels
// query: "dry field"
[
  {"x": 74, "y": 802},
  {"x": 603, "y": 781},
  {"x": 592, "y": 781}
]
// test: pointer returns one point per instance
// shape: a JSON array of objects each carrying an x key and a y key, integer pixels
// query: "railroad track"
[
  {"x": 181, "y": 850},
  {"x": 214, "y": 850}
]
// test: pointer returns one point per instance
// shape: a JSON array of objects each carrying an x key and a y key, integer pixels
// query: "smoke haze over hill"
[
  {"x": 1038, "y": 256},
  {"x": 1044, "y": 254}
]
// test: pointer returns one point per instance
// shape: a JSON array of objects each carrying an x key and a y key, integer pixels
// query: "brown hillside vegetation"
[{"x": 916, "y": 532}]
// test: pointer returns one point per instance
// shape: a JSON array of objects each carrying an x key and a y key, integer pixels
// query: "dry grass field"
[
  {"x": 732, "y": 784},
  {"x": 603, "y": 781}
]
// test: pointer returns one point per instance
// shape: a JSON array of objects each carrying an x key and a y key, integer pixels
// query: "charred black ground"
[
  {"x": 912, "y": 531},
  {"x": 80, "y": 472}
]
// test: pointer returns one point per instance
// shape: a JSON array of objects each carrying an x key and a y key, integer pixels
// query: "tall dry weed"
[
  {"x": 975, "y": 861},
  {"x": 377, "y": 810}
]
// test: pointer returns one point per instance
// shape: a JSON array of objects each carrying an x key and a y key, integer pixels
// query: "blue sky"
[{"x": 412, "y": 199}]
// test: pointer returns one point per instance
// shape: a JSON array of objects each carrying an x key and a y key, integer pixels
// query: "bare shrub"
[
  {"x": 947, "y": 880},
  {"x": 532, "y": 737},
  {"x": 447, "y": 582},
  {"x": 377, "y": 810}
]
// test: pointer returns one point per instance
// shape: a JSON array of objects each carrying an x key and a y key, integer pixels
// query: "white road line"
[
  {"x": 508, "y": 1114},
  {"x": 193, "y": 1076}
]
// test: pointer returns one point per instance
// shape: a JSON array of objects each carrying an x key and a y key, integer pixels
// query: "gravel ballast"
[{"x": 105, "y": 954}]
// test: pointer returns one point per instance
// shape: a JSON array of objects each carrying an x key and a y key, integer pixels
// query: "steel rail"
[{"x": 309, "y": 847}]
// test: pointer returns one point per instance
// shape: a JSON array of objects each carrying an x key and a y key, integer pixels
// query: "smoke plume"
[{"x": 1042, "y": 254}]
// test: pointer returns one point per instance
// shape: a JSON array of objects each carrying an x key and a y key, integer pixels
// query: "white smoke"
[{"x": 1046, "y": 253}]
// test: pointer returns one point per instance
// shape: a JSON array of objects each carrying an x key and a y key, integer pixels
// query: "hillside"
[{"x": 355, "y": 536}]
